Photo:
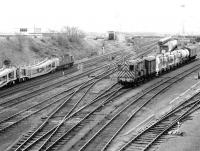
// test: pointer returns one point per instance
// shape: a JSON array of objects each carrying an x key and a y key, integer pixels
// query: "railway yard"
[{"x": 84, "y": 108}]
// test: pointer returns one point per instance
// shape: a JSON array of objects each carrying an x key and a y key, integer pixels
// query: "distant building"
[
  {"x": 112, "y": 35},
  {"x": 34, "y": 32}
]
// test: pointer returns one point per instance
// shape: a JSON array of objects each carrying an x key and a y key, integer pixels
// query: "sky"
[{"x": 162, "y": 16}]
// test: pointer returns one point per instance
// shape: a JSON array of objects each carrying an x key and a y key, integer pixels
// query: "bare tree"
[
  {"x": 68, "y": 35},
  {"x": 73, "y": 34}
]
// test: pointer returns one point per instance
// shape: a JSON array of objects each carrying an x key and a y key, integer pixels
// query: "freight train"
[
  {"x": 11, "y": 75},
  {"x": 134, "y": 71}
]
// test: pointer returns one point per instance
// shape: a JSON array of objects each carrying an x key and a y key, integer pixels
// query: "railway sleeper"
[
  {"x": 66, "y": 139},
  {"x": 61, "y": 142},
  {"x": 157, "y": 129},
  {"x": 142, "y": 140},
  {"x": 137, "y": 145},
  {"x": 131, "y": 148},
  {"x": 153, "y": 134},
  {"x": 161, "y": 125},
  {"x": 166, "y": 121},
  {"x": 158, "y": 141},
  {"x": 146, "y": 139},
  {"x": 150, "y": 133}
]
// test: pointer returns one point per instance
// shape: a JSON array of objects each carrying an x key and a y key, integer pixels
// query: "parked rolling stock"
[
  {"x": 132, "y": 72},
  {"x": 12, "y": 74},
  {"x": 7, "y": 76}
]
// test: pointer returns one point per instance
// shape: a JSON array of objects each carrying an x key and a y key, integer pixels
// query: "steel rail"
[
  {"x": 157, "y": 132},
  {"x": 53, "y": 113},
  {"x": 138, "y": 109}
]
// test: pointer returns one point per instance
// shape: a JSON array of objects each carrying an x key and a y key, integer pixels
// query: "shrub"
[
  {"x": 68, "y": 35},
  {"x": 34, "y": 49},
  {"x": 42, "y": 40},
  {"x": 7, "y": 62},
  {"x": 73, "y": 34}
]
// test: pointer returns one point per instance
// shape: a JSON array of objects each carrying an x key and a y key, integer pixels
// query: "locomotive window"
[
  {"x": 131, "y": 67},
  {"x": 119, "y": 67}
]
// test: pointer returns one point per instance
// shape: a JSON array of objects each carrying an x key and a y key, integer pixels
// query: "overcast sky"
[{"x": 102, "y": 15}]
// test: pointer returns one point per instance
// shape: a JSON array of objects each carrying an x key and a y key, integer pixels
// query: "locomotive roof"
[
  {"x": 150, "y": 58},
  {"x": 6, "y": 71},
  {"x": 132, "y": 61}
]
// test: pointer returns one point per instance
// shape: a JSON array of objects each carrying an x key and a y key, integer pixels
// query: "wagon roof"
[
  {"x": 5, "y": 71},
  {"x": 47, "y": 62}
]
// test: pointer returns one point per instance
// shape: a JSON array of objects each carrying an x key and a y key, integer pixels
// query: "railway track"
[
  {"x": 33, "y": 83},
  {"x": 62, "y": 133},
  {"x": 148, "y": 137},
  {"x": 49, "y": 77},
  {"x": 14, "y": 119},
  {"x": 101, "y": 59},
  {"x": 102, "y": 136},
  {"x": 47, "y": 127},
  {"x": 32, "y": 93},
  {"x": 13, "y": 101},
  {"x": 30, "y": 108}
]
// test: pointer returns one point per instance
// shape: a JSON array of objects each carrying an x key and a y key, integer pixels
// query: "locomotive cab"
[{"x": 126, "y": 73}]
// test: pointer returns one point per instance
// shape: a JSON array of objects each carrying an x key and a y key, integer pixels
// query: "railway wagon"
[
  {"x": 7, "y": 76},
  {"x": 44, "y": 67},
  {"x": 192, "y": 51},
  {"x": 132, "y": 72},
  {"x": 150, "y": 65},
  {"x": 22, "y": 73}
]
